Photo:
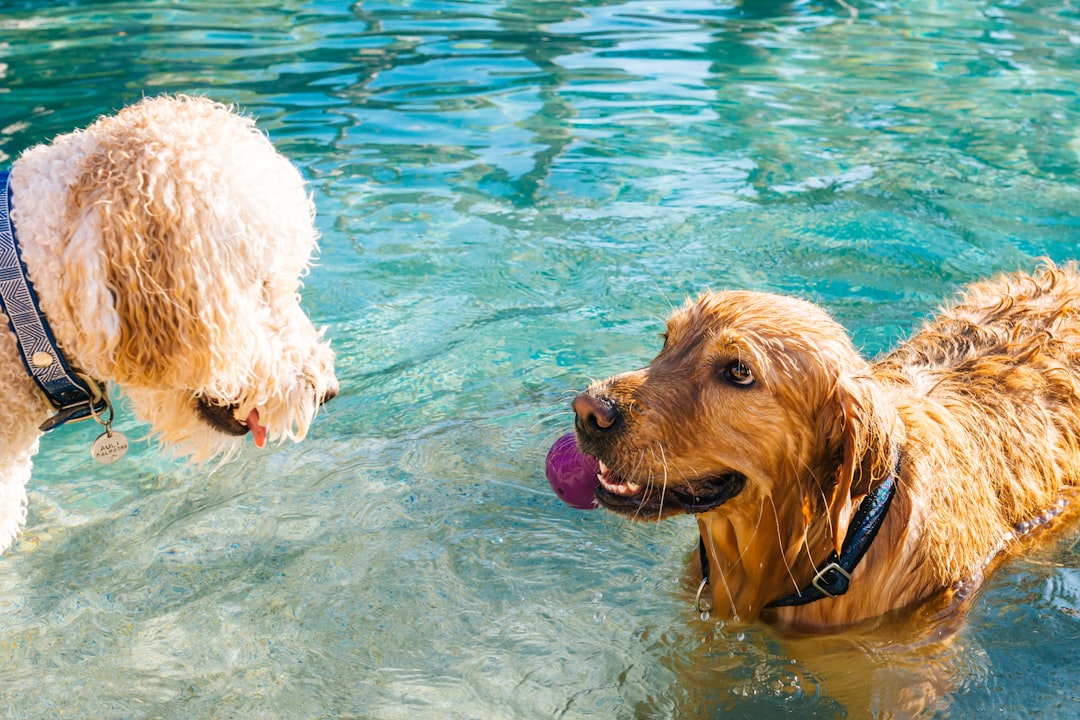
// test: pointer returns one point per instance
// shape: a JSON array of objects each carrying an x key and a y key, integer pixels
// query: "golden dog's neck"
[{"x": 754, "y": 558}]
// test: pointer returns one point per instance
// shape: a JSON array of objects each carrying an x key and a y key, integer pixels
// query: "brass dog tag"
[{"x": 109, "y": 447}]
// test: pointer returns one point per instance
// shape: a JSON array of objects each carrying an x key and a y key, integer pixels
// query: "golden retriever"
[{"x": 829, "y": 490}]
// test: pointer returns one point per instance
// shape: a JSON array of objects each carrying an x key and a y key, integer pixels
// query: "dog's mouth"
[
  {"x": 223, "y": 418},
  {"x": 648, "y": 501}
]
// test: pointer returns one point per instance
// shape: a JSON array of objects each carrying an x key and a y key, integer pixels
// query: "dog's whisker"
[
  {"x": 544, "y": 420},
  {"x": 671, "y": 305},
  {"x": 780, "y": 540},
  {"x": 663, "y": 487},
  {"x": 636, "y": 470},
  {"x": 723, "y": 578}
]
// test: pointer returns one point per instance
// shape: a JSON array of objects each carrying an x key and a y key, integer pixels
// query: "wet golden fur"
[
  {"x": 981, "y": 406},
  {"x": 166, "y": 244}
]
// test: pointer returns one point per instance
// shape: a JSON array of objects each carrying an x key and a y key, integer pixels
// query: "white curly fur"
[{"x": 166, "y": 245}]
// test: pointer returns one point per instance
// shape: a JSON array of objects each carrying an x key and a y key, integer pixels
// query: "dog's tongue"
[{"x": 258, "y": 432}]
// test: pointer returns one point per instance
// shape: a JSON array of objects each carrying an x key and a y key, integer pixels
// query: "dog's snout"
[
  {"x": 595, "y": 416},
  {"x": 329, "y": 394}
]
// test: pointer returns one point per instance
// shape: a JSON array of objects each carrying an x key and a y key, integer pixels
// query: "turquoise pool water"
[{"x": 513, "y": 195}]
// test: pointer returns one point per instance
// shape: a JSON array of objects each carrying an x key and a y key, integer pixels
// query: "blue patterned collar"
[{"x": 73, "y": 395}]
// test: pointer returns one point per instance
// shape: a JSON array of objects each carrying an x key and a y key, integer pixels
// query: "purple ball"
[{"x": 572, "y": 474}]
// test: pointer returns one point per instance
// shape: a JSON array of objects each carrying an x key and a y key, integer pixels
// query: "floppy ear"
[
  {"x": 858, "y": 439},
  {"x": 88, "y": 300},
  {"x": 129, "y": 221}
]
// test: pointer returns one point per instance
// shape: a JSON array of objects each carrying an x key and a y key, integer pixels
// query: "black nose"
[{"x": 595, "y": 416}]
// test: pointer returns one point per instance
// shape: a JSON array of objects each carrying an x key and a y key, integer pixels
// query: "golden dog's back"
[{"x": 989, "y": 393}]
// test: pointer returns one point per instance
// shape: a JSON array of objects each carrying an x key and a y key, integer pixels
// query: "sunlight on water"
[{"x": 512, "y": 196}]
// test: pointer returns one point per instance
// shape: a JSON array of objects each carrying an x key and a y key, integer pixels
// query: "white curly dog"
[{"x": 165, "y": 246}]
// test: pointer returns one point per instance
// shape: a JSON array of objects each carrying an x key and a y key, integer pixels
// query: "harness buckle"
[
  {"x": 837, "y": 586},
  {"x": 75, "y": 412}
]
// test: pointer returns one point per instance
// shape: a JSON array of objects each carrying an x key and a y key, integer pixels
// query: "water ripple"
[{"x": 512, "y": 195}]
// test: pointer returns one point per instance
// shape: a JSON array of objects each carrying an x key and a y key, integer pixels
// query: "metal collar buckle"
[{"x": 831, "y": 589}]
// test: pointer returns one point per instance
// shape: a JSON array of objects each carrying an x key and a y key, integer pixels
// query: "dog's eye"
[{"x": 739, "y": 374}]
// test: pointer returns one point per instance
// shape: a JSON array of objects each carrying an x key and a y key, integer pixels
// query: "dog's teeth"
[{"x": 616, "y": 485}]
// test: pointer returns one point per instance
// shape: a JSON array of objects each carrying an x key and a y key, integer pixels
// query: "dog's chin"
[
  {"x": 221, "y": 417},
  {"x": 649, "y": 502}
]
